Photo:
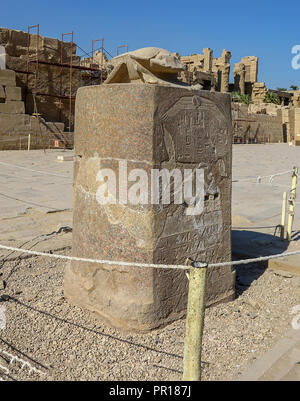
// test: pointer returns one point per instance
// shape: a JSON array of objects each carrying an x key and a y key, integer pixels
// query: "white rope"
[
  {"x": 36, "y": 171},
  {"x": 260, "y": 178},
  {"x": 24, "y": 364},
  {"x": 147, "y": 265}
]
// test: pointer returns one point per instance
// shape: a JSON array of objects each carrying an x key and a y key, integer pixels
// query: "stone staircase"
[{"x": 16, "y": 126}]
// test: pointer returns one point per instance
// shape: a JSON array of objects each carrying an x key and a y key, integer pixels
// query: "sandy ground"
[{"x": 63, "y": 342}]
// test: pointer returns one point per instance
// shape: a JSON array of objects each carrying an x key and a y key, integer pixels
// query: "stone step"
[
  {"x": 7, "y": 78},
  {"x": 12, "y": 107}
]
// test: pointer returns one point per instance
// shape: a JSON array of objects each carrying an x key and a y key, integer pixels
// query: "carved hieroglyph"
[{"x": 151, "y": 127}]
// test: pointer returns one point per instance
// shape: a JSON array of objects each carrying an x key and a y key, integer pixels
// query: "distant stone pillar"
[
  {"x": 2, "y": 58},
  {"x": 207, "y": 59},
  {"x": 296, "y": 99},
  {"x": 239, "y": 78},
  {"x": 130, "y": 129},
  {"x": 225, "y": 73}
]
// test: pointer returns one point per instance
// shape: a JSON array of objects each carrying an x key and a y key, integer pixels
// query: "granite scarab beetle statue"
[{"x": 150, "y": 65}]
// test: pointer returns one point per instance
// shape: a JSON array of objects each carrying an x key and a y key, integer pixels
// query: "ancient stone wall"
[
  {"x": 21, "y": 53},
  {"x": 211, "y": 73},
  {"x": 16, "y": 126},
  {"x": 296, "y": 113},
  {"x": 259, "y": 92},
  {"x": 259, "y": 123},
  {"x": 245, "y": 75}
]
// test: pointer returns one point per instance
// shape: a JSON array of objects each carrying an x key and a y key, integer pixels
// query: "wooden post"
[
  {"x": 195, "y": 321},
  {"x": 283, "y": 215},
  {"x": 292, "y": 199}
]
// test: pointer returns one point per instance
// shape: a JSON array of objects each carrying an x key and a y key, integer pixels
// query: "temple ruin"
[{"x": 40, "y": 76}]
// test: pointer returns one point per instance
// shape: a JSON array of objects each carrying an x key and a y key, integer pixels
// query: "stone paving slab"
[
  {"x": 281, "y": 363},
  {"x": 42, "y": 182}
]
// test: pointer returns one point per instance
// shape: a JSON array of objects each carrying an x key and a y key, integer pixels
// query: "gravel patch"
[{"x": 66, "y": 343}]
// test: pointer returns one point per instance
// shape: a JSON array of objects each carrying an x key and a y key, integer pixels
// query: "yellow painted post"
[
  {"x": 292, "y": 199},
  {"x": 283, "y": 215},
  {"x": 194, "y": 321}
]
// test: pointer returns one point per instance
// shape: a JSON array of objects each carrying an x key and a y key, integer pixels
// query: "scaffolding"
[
  {"x": 121, "y": 47},
  {"x": 246, "y": 137},
  {"x": 37, "y": 61}
]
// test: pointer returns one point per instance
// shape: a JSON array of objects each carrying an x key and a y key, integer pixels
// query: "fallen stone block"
[{"x": 65, "y": 158}]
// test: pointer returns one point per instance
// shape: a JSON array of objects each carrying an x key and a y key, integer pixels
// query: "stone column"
[
  {"x": 207, "y": 59},
  {"x": 225, "y": 72},
  {"x": 2, "y": 58},
  {"x": 239, "y": 78},
  {"x": 123, "y": 127}
]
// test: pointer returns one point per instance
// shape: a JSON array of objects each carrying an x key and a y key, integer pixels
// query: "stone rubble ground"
[{"x": 66, "y": 343}]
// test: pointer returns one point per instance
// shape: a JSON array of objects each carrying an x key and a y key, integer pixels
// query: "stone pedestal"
[{"x": 149, "y": 126}]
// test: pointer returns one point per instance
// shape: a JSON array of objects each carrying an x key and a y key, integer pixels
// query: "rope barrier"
[
  {"x": 148, "y": 265},
  {"x": 260, "y": 178},
  {"x": 24, "y": 364}
]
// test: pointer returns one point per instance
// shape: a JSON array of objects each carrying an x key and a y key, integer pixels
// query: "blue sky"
[{"x": 267, "y": 29}]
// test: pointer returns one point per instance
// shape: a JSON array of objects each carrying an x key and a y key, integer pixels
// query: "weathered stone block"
[
  {"x": 2, "y": 93},
  {"x": 7, "y": 78},
  {"x": 12, "y": 123},
  {"x": 13, "y": 93},
  {"x": 12, "y": 107},
  {"x": 149, "y": 126}
]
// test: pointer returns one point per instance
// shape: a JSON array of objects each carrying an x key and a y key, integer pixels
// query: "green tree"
[
  {"x": 240, "y": 98},
  {"x": 271, "y": 97},
  {"x": 282, "y": 89},
  {"x": 294, "y": 87}
]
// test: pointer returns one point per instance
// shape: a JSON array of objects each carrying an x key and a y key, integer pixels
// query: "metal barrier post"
[
  {"x": 292, "y": 199},
  {"x": 283, "y": 216},
  {"x": 195, "y": 321}
]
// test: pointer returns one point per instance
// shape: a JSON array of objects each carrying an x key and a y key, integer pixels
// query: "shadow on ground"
[{"x": 253, "y": 244}]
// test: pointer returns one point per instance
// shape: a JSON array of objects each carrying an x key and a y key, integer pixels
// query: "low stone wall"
[
  {"x": 255, "y": 124},
  {"x": 16, "y": 128}
]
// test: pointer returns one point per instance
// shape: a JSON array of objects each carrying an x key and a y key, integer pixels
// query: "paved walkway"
[
  {"x": 35, "y": 199},
  {"x": 281, "y": 363},
  {"x": 34, "y": 180}
]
